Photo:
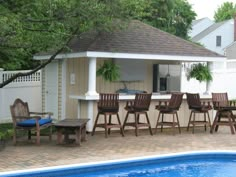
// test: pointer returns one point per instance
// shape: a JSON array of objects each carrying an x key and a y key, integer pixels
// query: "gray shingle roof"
[
  {"x": 197, "y": 21},
  {"x": 208, "y": 31},
  {"x": 139, "y": 38}
]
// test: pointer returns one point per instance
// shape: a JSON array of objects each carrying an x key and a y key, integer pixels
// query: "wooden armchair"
[
  {"x": 224, "y": 115},
  {"x": 198, "y": 107},
  {"x": 25, "y": 120},
  {"x": 169, "y": 107},
  {"x": 138, "y": 107},
  {"x": 108, "y": 105}
]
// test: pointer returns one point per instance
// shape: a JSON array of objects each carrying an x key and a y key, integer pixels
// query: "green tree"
[
  {"x": 28, "y": 27},
  {"x": 183, "y": 15},
  {"x": 225, "y": 12},
  {"x": 171, "y": 16},
  {"x": 135, "y": 9}
]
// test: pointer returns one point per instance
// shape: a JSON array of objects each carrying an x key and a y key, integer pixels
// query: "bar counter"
[{"x": 87, "y": 107}]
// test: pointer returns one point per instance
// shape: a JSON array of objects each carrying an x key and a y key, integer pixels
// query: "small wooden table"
[{"x": 71, "y": 126}]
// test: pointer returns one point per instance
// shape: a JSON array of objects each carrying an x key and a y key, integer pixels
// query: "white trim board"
[{"x": 133, "y": 56}]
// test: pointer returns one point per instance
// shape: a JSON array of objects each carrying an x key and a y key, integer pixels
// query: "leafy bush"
[{"x": 7, "y": 134}]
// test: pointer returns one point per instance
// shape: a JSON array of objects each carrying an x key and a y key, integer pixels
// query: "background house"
[
  {"x": 199, "y": 25},
  {"x": 214, "y": 36}
]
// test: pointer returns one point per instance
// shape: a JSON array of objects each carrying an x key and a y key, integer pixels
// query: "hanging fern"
[
  {"x": 200, "y": 72},
  {"x": 109, "y": 71}
]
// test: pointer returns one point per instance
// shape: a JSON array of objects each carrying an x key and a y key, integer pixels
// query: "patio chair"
[
  {"x": 198, "y": 107},
  {"x": 169, "y": 107},
  {"x": 224, "y": 114},
  {"x": 108, "y": 105},
  {"x": 24, "y": 120},
  {"x": 139, "y": 106}
]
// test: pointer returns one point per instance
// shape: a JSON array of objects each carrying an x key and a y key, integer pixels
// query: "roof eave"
[{"x": 134, "y": 56}]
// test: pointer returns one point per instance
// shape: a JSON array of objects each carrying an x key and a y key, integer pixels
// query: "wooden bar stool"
[
  {"x": 138, "y": 107},
  {"x": 108, "y": 105},
  {"x": 170, "y": 107},
  {"x": 198, "y": 107},
  {"x": 224, "y": 115}
]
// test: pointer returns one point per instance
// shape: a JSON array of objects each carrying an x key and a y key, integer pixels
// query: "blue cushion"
[{"x": 32, "y": 122}]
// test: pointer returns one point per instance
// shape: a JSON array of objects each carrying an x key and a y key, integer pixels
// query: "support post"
[
  {"x": 90, "y": 115},
  {"x": 209, "y": 83},
  {"x": 92, "y": 77}
]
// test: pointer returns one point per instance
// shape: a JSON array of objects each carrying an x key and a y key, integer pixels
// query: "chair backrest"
[
  {"x": 176, "y": 100},
  {"x": 142, "y": 101},
  {"x": 193, "y": 100},
  {"x": 219, "y": 99},
  {"x": 19, "y": 109},
  {"x": 108, "y": 102}
]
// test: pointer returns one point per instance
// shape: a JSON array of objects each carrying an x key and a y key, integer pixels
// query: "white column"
[
  {"x": 90, "y": 116},
  {"x": 209, "y": 83},
  {"x": 92, "y": 77}
]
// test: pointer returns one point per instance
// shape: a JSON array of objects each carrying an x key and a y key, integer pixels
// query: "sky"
[{"x": 207, "y": 8}]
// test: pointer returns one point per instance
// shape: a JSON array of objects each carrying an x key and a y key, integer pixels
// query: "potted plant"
[
  {"x": 109, "y": 71},
  {"x": 200, "y": 72}
]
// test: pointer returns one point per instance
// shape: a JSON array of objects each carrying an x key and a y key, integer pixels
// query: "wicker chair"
[
  {"x": 108, "y": 105},
  {"x": 224, "y": 115},
  {"x": 25, "y": 120},
  {"x": 169, "y": 107},
  {"x": 138, "y": 107},
  {"x": 198, "y": 107}
]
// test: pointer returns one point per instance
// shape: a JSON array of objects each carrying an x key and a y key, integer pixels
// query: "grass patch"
[
  {"x": 6, "y": 131},
  {"x": 5, "y": 126}
]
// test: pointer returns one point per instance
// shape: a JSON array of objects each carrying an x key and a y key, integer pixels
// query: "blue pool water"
[{"x": 197, "y": 164}]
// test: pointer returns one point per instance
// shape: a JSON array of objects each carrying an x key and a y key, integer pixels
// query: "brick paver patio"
[{"x": 97, "y": 148}]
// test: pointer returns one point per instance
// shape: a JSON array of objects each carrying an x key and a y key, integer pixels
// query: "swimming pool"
[{"x": 194, "y": 164}]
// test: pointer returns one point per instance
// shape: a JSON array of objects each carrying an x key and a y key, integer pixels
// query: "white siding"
[
  {"x": 226, "y": 32},
  {"x": 230, "y": 51}
]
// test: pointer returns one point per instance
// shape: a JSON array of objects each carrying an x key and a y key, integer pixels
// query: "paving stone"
[{"x": 98, "y": 148}]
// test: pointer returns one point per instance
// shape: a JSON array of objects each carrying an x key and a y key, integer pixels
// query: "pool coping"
[{"x": 117, "y": 162}]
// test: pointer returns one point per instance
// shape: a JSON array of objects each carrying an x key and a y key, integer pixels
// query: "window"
[{"x": 218, "y": 41}]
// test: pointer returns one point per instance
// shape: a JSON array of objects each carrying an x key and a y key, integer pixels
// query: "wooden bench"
[{"x": 71, "y": 126}]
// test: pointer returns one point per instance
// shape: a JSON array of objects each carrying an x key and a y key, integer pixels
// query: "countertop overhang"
[{"x": 155, "y": 96}]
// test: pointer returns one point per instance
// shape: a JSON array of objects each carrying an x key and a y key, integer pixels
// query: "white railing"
[{"x": 35, "y": 77}]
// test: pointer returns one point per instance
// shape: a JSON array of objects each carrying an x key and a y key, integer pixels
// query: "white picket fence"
[
  {"x": 225, "y": 80},
  {"x": 27, "y": 88}
]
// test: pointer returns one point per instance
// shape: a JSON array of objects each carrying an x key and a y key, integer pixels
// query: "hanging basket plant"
[
  {"x": 200, "y": 72},
  {"x": 109, "y": 71}
]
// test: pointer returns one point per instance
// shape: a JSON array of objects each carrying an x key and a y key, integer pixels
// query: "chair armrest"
[
  {"x": 216, "y": 104},
  {"x": 206, "y": 104},
  {"x": 163, "y": 104},
  {"x": 129, "y": 103},
  {"x": 232, "y": 103},
  {"x": 27, "y": 117},
  {"x": 42, "y": 113},
  {"x": 219, "y": 104}
]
